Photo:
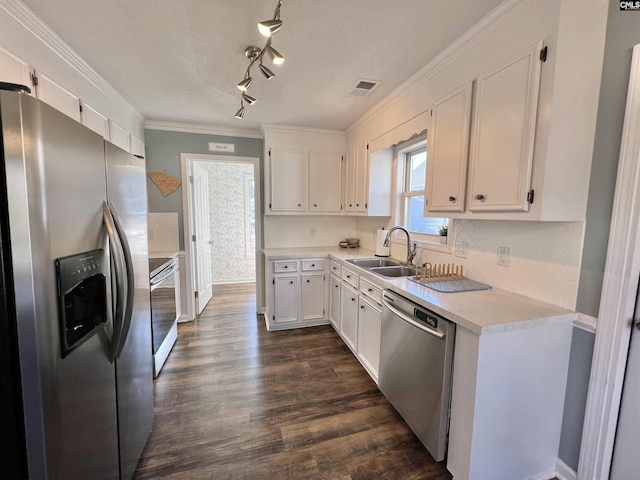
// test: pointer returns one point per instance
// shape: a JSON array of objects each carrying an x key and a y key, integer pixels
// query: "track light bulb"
[
  {"x": 266, "y": 72},
  {"x": 269, "y": 27},
  {"x": 276, "y": 57},
  {"x": 248, "y": 98},
  {"x": 240, "y": 113},
  {"x": 244, "y": 84}
]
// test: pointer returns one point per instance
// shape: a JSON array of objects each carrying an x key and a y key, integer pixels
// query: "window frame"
[{"x": 401, "y": 155}]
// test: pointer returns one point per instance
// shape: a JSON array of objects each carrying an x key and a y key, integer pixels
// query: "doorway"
[{"x": 222, "y": 224}]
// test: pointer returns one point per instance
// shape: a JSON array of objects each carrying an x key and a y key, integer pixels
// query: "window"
[{"x": 413, "y": 162}]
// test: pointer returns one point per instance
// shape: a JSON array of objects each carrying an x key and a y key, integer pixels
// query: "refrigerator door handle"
[
  {"x": 130, "y": 278},
  {"x": 118, "y": 262}
]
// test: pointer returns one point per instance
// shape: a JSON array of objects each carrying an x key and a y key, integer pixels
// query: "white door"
[
  {"x": 626, "y": 461},
  {"x": 201, "y": 237}
]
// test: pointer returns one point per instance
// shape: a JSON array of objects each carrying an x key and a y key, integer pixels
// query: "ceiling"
[{"x": 180, "y": 60}]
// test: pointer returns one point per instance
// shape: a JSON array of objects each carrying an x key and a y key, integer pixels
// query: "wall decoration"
[{"x": 166, "y": 183}]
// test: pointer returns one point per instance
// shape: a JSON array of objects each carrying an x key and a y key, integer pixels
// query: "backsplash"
[
  {"x": 306, "y": 231},
  {"x": 545, "y": 256}
]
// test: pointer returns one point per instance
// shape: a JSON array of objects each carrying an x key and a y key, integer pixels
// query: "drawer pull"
[
  {"x": 452, "y": 198},
  {"x": 479, "y": 197},
  {"x": 370, "y": 290}
]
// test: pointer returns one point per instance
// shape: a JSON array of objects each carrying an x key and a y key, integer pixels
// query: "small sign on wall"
[{"x": 222, "y": 147}]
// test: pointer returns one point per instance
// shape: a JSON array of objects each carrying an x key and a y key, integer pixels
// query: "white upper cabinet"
[
  {"x": 14, "y": 70},
  {"x": 325, "y": 182},
  {"x": 94, "y": 120},
  {"x": 503, "y": 134},
  {"x": 287, "y": 177},
  {"x": 119, "y": 136},
  {"x": 304, "y": 169},
  {"x": 57, "y": 96},
  {"x": 447, "y": 152}
]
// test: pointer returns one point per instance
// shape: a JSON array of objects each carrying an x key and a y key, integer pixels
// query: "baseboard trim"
[{"x": 564, "y": 471}]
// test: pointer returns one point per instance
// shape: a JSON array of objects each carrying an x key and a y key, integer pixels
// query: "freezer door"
[
  {"x": 55, "y": 188},
  {"x": 127, "y": 193}
]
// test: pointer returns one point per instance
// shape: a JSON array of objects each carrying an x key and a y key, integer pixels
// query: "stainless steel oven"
[
  {"x": 416, "y": 363},
  {"x": 165, "y": 288}
]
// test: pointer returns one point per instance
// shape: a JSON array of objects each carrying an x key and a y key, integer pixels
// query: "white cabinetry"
[
  {"x": 334, "y": 302},
  {"x": 503, "y": 134},
  {"x": 448, "y": 150},
  {"x": 287, "y": 176},
  {"x": 14, "y": 70},
  {"x": 325, "y": 182},
  {"x": 349, "y": 316},
  {"x": 368, "y": 182},
  {"x": 58, "y": 97},
  {"x": 304, "y": 171},
  {"x": 296, "y": 295},
  {"x": 369, "y": 326}
]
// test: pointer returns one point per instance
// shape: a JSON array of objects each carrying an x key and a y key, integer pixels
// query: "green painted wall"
[{"x": 163, "y": 149}]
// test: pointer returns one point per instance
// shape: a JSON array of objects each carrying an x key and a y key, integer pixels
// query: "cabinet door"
[
  {"x": 503, "y": 134},
  {"x": 312, "y": 296},
  {"x": 14, "y": 70},
  {"x": 362, "y": 179},
  {"x": 334, "y": 302},
  {"x": 447, "y": 152},
  {"x": 369, "y": 325},
  {"x": 94, "y": 120},
  {"x": 350, "y": 182},
  {"x": 325, "y": 182},
  {"x": 287, "y": 179},
  {"x": 349, "y": 316},
  {"x": 58, "y": 97},
  {"x": 285, "y": 291}
]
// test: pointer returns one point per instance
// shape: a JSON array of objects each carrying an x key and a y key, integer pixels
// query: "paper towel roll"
[{"x": 381, "y": 250}]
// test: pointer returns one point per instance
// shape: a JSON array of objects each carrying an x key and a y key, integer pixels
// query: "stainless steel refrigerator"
[{"x": 75, "y": 331}]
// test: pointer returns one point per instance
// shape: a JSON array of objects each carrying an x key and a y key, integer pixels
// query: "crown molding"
[
  {"x": 202, "y": 129},
  {"x": 32, "y": 23},
  {"x": 478, "y": 32},
  {"x": 281, "y": 128}
]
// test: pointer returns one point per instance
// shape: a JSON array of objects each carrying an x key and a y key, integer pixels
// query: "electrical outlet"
[
  {"x": 504, "y": 256},
  {"x": 312, "y": 232},
  {"x": 460, "y": 249}
]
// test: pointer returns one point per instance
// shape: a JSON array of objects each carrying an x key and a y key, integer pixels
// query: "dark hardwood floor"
[{"x": 234, "y": 401}]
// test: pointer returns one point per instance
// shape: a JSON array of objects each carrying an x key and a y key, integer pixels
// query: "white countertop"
[{"x": 482, "y": 312}]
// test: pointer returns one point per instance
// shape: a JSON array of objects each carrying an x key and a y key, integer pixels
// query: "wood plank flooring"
[{"x": 234, "y": 401}]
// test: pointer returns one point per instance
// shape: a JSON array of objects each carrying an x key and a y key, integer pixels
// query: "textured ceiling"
[{"x": 180, "y": 60}]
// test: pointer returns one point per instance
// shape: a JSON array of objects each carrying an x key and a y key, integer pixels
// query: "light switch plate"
[
  {"x": 460, "y": 249},
  {"x": 504, "y": 256}
]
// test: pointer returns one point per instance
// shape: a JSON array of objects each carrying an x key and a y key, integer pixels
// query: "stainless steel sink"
[
  {"x": 374, "y": 262},
  {"x": 394, "y": 271}
]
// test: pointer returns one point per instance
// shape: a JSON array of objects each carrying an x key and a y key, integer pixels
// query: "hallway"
[{"x": 234, "y": 401}]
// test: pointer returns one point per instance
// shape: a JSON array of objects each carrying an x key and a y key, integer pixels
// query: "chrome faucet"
[{"x": 411, "y": 252}]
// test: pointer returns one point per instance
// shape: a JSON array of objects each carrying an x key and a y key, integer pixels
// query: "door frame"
[
  {"x": 187, "y": 220},
  {"x": 618, "y": 297}
]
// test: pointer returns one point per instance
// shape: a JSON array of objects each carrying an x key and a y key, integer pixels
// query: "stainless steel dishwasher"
[{"x": 416, "y": 361}]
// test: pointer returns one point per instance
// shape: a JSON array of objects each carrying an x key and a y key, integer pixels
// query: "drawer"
[
  {"x": 285, "y": 266},
  {"x": 335, "y": 268},
  {"x": 311, "y": 265},
  {"x": 370, "y": 290},
  {"x": 350, "y": 277}
]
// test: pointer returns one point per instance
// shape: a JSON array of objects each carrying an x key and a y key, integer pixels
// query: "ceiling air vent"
[{"x": 363, "y": 88}]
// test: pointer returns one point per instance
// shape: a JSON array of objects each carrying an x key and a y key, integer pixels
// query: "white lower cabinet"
[
  {"x": 349, "y": 316},
  {"x": 369, "y": 326},
  {"x": 334, "y": 301},
  {"x": 297, "y": 295}
]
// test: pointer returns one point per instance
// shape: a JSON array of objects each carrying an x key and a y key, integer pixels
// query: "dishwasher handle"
[{"x": 410, "y": 320}]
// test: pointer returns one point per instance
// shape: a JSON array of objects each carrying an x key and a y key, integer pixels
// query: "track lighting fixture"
[{"x": 255, "y": 55}]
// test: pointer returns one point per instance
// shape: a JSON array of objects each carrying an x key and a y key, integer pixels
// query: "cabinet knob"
[
  {"x": 291, "y": 282},
  {"x": 452, "y": 198},
  {"x": 351, "y": 204},
  {"x": 348, "y": 276},
  {"x": 353, "y": 299},
  {"x": 286, "y": 266},
  {"x": 357, "y": 204},
  {"x": 370, "y": 290},
  {"x": 361, "y": 307},
  {"x": 479, "y": 197},
  {"x": 308, "y": 281},
  {"x": 299, "y": 204},
  {"x": 315, "y": 204},
  {"x": 313, "y": 264},
  {"x": 337, "y": 286}
]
